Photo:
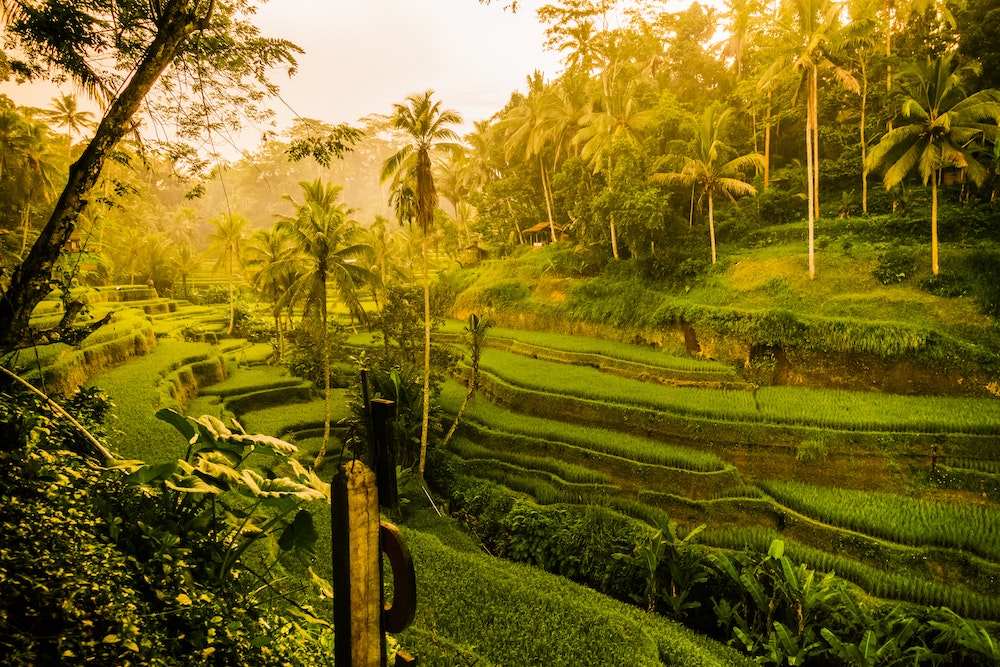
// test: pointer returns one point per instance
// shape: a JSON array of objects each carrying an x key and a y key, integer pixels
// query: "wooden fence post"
[{"x": 357, "y": 560}]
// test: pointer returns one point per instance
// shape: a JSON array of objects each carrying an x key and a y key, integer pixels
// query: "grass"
[
  {"x": 134, "y": 390},
  {"x": 474, "y": 606},
  {"x": 252, "y": 379},
  {"x": 897, "y": 518},
  {"x": 603, "y": 348},
  {"x": 838, "y": 409},
  {"x": 585, "y": 437},
  {"x": 284, "y": 419}
]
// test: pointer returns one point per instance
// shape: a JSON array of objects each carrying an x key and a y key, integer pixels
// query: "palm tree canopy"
[
  {"x": 323, "y": 231},
  {"x": 940, "y": 125},
  {"x": 710, "y": 163},
  {"x": 427, "y": 124}
]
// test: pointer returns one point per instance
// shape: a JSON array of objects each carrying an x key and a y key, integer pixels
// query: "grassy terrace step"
[
  {"x": 885, "y": 580},
  {"x": 570, "y": 625},
  {"x": 900, "y": 519},
  {"x": 135, "y": 390},
  {"x": 284, "y": 419},
  {"x": 597, "y": 440},
  {"x": 611, "y": 356},
  {"x": 795, "y": 406}
]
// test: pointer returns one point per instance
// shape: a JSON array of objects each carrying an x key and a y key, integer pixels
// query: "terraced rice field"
[{"x": 751, "y": 463}]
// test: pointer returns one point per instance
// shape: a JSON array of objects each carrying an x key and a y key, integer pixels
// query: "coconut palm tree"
[
  {"x": 269, "y": 260},
  {"x": 227, "y": 245},
  {"x": 325, "y": 235},
  {"x": 809, "y": 26},
  {"x": 37, "y": 171},
  {"x": 65, "y": 113},
  {"x": 428, "y": 126},
  {"x": 474, "y": 337},
  {"x": 528, "y": 126},
  {"x": 618, "y": 117},
  {"x": 940, "y": 125},
  {"x": 712, "y": 167}
]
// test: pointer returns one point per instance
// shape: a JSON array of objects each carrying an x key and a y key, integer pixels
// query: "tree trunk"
[
  {"x": 864, "y": 139},
  {"x": 30, "y": 281},
  {"x": 614, "y": 236},
  {"x": 424, "y": 423},
  {"x": 934, "y": 230},
  {"x": 548, "y": 198},
  {"x": 814, "y": 91},
  {"x": 767, "y": 143},
  {"x": 711, "y": 224},
  {"x": 810, "y": 183}
]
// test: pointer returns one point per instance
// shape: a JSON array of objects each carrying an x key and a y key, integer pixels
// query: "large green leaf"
[
  {"x": 278, "y": 487},
  {"x": 178, "y": 421},
  {"x": 300, "y": 534},
  {"x": 151, "y": 472}
]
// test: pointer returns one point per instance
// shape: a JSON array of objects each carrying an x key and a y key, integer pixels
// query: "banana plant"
[{"x": 686, "y": 567}]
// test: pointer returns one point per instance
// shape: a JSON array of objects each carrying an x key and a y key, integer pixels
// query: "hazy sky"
[{"x": 364, "y": 55}]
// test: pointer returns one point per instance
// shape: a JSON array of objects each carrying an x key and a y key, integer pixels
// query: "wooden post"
[
  {"x": 357, "y": 560},
  {"x": 383, "y": 454}
]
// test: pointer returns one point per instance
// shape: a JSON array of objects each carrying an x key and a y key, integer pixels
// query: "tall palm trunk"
[
  {"x": 614, "y": 230},
  {"x": 810, "y": 187},
  {"x": 427, "y": 363},
  {"x": 711, "y": 224},
  {"x": 934, "y": 227},
  {"x": 814, "y": 117},
  {"x": 326, "y": 383},
  {"x": 767, "y": 143},
  {"x": 863, "y": 137},
  {"x": 547, "y": 194}
]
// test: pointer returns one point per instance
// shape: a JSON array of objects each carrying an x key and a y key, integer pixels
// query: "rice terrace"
[{"x": 685, "y": 353}]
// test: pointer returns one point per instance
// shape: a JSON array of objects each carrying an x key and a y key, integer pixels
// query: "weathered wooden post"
[
  {"x": 360, "y": 615},
  {"x": 357, "y": 560}
]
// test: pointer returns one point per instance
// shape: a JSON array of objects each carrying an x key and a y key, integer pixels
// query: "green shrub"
[
  {"x": 504, "y": 294},
  {"x": 90, "y": 572}
]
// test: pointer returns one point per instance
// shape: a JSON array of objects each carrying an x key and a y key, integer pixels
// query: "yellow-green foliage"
[
  {"x": 477, "y": 601},
  {"x": 796, "y": 406},
  {"x": 179, "y": 386},
  {"x": 127, "y": 336},
  {"x": 897, "y": 518}
]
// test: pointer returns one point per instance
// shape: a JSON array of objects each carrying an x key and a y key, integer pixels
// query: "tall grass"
[
  {"x": 897, "y": 518},
  {"x": 610, "y": 349},
  {"x": 475, "y": 610},
  {"x": 595, "y": 439},
  {"x": 880, "y": 582},
  {"x": 553, "y": 466},
  {"x": 134, "y": 389},
  {"x": 826, "y": 408}
]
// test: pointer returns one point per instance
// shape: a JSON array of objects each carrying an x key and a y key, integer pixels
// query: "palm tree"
[
  {"x": 37, "y": 171},
  {"x": 65, "y": 113},
  {"x": 810, "y": 26},
  {"x": 474, "y": 336},
  {"x": 227, "y": 245},
  {"x": 618, "y": 119},
  {"x": 940, "y": 125},
  {"x": 388, "y": 253},
  {"x": 528, "y": 127},
  {"x": 324, "y": 233},
  {"x": 269, "y": 258},
  {"x": 184, "y": 263},
  {"x": 713, "y": 167},
  {"x": 427, "y": 124}
]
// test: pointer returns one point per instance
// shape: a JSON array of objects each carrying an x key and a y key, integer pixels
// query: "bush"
[
  {"x": 92, "y": 573},
  {"x": 945, "y": 285},
  {"x": 894, "y": 266},
  {"x": 504, "y": 294}
]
